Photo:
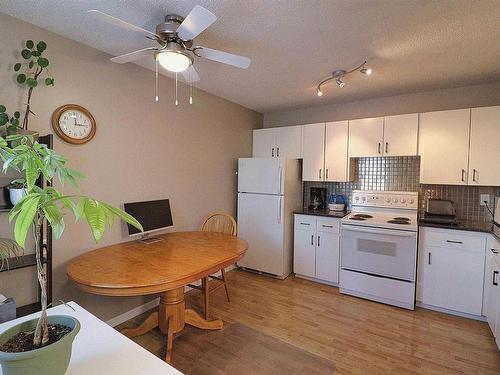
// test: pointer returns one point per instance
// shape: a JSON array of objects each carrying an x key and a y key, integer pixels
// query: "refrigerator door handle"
[
  {"x": 279, "y": 210},
  {"x": 280, "y": 172}
]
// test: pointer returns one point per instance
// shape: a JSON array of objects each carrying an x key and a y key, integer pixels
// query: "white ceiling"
[{"x": 412, "y": 45}]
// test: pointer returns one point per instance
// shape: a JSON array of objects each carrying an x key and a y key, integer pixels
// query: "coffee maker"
[{"x": 317, "y": 198}]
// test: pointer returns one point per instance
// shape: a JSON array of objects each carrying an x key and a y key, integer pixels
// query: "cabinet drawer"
[
  {"x": 328, "y": 226},
  {"x": 454, "y": 240},
  {"x": 305, "y": 222}
]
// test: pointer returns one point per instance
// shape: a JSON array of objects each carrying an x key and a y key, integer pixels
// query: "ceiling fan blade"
[
  {"x": 196, "y": 21},
  {"x": 190, "y": 74},
  {"x": 132, "y": 56},
  {"x": 224, "y": 57},
  {"x": 97, "y": 14}
]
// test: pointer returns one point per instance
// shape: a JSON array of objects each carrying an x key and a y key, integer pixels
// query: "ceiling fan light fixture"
[{"x": 174, "y": 61}]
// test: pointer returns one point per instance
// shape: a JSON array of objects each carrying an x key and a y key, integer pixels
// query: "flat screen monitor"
[{"x": 153, "y": 215}]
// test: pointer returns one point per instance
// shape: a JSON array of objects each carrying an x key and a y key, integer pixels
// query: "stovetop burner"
[
  {"x": 357, "y": 218},
  {"x": 402, "y": 218},
  {"x": 403, "y": 222},
  {"x": 362, "y": 216}
]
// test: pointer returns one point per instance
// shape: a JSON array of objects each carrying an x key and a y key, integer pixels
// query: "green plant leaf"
[
  {"x": 25, "y": 218},
  {"x": 95, "y": 216},
  {"x": 41, "y": 46},
  {"x": 21, "y": 78},
  {"x": 17, "y": 67},
  {"x": 43, "y": 62},
  {"x": 31, "y": 82},
  {"x": 48, "y": 81},
  {"x": 2, "y": 108},
  {"x": 31, "y": 64},
  {"x": 26, "y": 54},
  {"x": 36, "y": 53},
  {"x": 123, "y": 216},
  {"x": 30, "y": 44},
  {"x": 4, "y": 118},
  {"x": 16, "y": 114},
  {"x": 32, "y": 172},
  {"x": 55, "y": 218}
]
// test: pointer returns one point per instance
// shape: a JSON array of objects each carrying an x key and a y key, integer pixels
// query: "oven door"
[{"x": 378, "y": 251}]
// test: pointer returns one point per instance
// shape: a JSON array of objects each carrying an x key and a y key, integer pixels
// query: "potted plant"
[
  {"x": 43, "y": 346},
  {"x": 17, "y": 191},
  {"x": 32, "y": 68}
]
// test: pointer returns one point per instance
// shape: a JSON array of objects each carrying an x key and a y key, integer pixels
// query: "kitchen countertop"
[
  {"x": 467, "y": 225},
  {"x": 324, "y": 212}
]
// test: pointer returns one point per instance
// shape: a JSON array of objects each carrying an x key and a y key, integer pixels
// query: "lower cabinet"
[
  {"x": 491, "y": 305},
  {"x": 317, "y": 247},
  {"x": 451, "y": 267}
]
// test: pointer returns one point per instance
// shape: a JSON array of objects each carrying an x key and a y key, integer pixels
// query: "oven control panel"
[{"x": 395, "y": 199}]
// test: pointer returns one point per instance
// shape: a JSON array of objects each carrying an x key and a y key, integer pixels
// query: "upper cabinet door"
[
  {"x": 444, "y": 147},
  {"x": 313, "y": 152},
  {"x": 400, "y": 135},
  {"x": 366, "y": 137},
  {"x": 289, "y": 142},
  {"x": 336, "y": 158},
  {"x": 484, "y": 157},
  {"x": 264, "y": 143}
]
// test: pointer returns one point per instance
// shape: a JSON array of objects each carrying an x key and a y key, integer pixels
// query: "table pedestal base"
[{"x": 171, "y": 317}]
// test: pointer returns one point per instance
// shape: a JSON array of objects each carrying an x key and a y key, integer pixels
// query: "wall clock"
[{"x": 73, "y": 124}]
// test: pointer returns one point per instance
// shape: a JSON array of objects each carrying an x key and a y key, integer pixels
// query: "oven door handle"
[{"x": 378, "y": 231}]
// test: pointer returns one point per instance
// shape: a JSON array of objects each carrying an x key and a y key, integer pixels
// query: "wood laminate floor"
[{"x": 359, "y": 336}]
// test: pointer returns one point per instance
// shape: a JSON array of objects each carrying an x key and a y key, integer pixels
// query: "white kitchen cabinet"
[
  {"x": 366, "y": 137},
  {"x": 313, "y": 152},
  {"x": 336, "y": 157},
  {"x": 317, "y": 247},
  {"x": 452, "y": 269},
  {"x": 484, "y": 155},
  {"x": 400, "y": 135},
  {"x": 444, "y": 147},
  {"x": 283, "y": 142}
]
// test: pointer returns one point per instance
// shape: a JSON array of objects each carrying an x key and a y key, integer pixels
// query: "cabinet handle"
[
  {"x": 327, "y": 173},
  {"x": 320, "y": 174},
  {"x": 474, "y": 175},
  {"x": 386, "y": 147},
  {"x": 312, "y": 239},
  {"x": 305, "y": 224},
  {"x": 495, "y": 282},
  {"x": 327, "y": 226},
  {"x": 457, "y": 242},
  {"x": 494, "y": 251},
  {"x": 429, "y": 261},
  {"x": 272, "y": 152},
  {"x": 379, "y": 148},
  {"x": 277, "y": 151},
  {"x": 463, "y": 175},
  {"x": 318, "y": 241}
]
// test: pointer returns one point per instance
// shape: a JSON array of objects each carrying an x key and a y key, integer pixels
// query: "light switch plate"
[{"x": 482, "y": 198}]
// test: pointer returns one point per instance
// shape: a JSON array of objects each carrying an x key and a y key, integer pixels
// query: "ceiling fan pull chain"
[
  {"x": 156, "y": 80},
  {"x": 176, "y": 80},
  {"x": 190, "y": 85}
]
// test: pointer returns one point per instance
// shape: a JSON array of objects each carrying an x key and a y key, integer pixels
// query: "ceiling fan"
[{"x": 176, "y": 50}]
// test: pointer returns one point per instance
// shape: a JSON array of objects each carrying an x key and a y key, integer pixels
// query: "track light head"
[
  {"x": 340, "y": 83},
  {"x": 366, "y": 70},
  {"x": 319, "y": 92}
]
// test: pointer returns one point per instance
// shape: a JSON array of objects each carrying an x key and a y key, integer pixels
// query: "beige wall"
[
  {"x": 462, "y": 97},
  {"x": 142, "y": 149}
]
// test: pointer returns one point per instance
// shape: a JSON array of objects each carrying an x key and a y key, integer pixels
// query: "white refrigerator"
[{"x": 269, "y": 190}]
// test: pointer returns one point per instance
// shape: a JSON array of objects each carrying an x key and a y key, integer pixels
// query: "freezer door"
[
  {"x": 260, "y": 223},
  {"x": 261, "y": 175}
]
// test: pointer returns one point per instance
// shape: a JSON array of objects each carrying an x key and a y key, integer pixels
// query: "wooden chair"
[{"x": 220, "y": 222}]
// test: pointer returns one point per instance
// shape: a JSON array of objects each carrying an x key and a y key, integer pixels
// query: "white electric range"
[{"x": 379, "y": 247}]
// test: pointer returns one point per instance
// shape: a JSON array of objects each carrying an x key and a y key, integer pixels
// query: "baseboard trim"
[
  {"x": 136, "y": 311},
  {"x": 451, "y": 312}
]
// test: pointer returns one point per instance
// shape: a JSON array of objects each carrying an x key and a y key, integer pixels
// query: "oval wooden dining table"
[{"x": 165, "y": 267}]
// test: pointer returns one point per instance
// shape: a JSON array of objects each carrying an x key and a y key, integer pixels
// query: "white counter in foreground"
[{"x": 99, "y": 349}]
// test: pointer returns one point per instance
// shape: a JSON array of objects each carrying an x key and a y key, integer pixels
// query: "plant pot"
[
  {"x": 16, "y": 195},
  {"x": 52, "y": 359}
]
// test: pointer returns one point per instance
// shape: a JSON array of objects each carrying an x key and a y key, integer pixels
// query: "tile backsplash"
[{"x": 402, "y": 174}]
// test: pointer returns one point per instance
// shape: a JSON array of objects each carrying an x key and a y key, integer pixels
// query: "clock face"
[{"x": 75, "y": 124}]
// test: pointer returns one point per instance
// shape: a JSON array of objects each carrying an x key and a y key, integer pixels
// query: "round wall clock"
[{"x": 73, "y": 124}]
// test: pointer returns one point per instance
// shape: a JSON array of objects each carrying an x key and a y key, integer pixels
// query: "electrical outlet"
[{"x": 482, "y": 198}]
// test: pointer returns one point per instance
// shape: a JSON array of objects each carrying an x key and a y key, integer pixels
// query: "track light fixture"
[{"x": 338, "y": 75}]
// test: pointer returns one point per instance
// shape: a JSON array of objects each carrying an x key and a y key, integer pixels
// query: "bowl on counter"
[{"x": 336, "y": 206}]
